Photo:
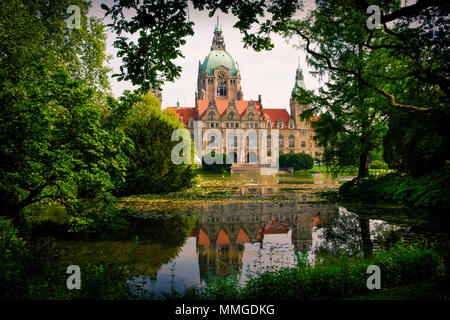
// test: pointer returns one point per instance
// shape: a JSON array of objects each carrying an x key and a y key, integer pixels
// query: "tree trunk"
[{"x": 363, "y": 165}]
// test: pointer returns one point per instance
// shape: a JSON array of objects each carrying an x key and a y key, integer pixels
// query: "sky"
[{"x": 269, "y": 73}]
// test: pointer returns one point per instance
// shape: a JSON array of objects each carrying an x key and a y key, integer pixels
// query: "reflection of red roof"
[
  {"x": 315, "y": 221},
  {"x": 277, "y": 114},
  {"x": 203, "y": 239},
  {"x": 260, "y": 235},
  {"x": 223, "y": 238},
  {"x": 277, "y": 227},
  {"x": 242, "y": 237},
  {"x": 222, "y": 105},
  {"x": 184, "y": 113}
]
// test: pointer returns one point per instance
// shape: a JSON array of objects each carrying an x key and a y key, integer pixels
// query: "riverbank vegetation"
[{"x": 335, "y": 278}]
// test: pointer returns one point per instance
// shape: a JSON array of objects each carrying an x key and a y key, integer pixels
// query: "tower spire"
[
  {"x": 218, "y": 27},
  {"x": 218, "y": 43}
]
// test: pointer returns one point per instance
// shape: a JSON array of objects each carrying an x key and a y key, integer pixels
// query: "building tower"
[
  {"x": 218, "y": 76},
  {"x": 296, "y": 108}
]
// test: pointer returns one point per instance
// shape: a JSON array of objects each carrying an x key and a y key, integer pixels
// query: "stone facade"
[{"x": 220, "y": 104}]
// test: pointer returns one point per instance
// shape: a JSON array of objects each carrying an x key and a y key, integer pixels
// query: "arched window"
[
  {"x": 291, "y": 124},
  {"x": 291, "y": 141},
  {"x": 231, "y": 116},
  {"x": 316, "y": 154},
  {"x": 303, "y": 144},
  {"x": 212, "y": 139},
  {"x": 280, "y": 124},
  {"x": 251, "y": 140},
  {"x": 251, "y": 116},
  {"x": 251, "y": 157},
  {"x": 281, "y": 141},
  {"x": 211, "y": 115},
  {"x": 316, "y": 144},
  {"x": 235, "y": 141},
  {"x": 191, "y": 123},
  {"x": 269, "y": 124},
  {"x": 269, "y": 141}
]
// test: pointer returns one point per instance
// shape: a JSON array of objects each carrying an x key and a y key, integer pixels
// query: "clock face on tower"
[{"x": 221, "y": 76}]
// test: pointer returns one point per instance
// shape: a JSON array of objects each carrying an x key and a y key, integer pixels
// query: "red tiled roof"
[
  {"x": 277, "y": 114},
  {"x": 184, "y": 113},
  {"x": 222, "y": 105}
]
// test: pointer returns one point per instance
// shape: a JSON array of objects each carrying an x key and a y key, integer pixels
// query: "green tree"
[
  {"x": 151, "y": 169},
  {"x": 351, "y": 123},
  {"x": 53, "y": 146}
]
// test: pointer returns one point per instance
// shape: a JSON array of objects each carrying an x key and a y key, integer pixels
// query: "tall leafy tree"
[
  {"x": 54, "y": 148},
  {"x": 151, "y": 169},
  {"x": 351, "y": 123}
]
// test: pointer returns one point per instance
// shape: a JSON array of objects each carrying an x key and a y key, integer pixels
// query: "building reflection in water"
[{"x": 227, "y": 231}]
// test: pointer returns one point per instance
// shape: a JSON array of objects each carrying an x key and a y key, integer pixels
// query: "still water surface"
[{"x": 238, "y": 238}]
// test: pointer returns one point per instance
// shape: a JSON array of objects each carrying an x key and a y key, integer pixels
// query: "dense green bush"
[
  {"x": 223, "y": 167},
  {"x": 432, "y": 190},
  {"x": 298, "y": 161},
  {"x": 151, "y": 169}
]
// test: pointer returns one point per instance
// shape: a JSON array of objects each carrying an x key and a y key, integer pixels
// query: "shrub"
[
  {"x": 223, "y": 167},
  {"x": 298, "y": 161},
  {"x": 151, "y": 169}
]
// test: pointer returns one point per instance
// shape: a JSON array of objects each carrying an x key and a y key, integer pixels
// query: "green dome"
[{"x": 218, "y": 58}]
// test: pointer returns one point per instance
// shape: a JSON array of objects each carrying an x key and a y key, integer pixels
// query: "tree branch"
[{"x": 330, "y": 66}]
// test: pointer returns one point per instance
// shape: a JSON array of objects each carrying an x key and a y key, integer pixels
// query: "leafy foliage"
[
  {"x": 151, "y": 169},
  {"x": 163, "y": 27},
  {"x": 431, "y": 190},
  {"x": 54, "y": 146}
]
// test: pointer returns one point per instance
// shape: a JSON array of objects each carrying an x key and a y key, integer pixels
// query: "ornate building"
[{"x": 220, "y": 104}]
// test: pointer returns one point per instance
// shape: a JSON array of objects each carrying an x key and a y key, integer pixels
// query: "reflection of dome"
[{"x": 217, "y": 58}]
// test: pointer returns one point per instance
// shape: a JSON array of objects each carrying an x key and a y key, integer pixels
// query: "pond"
[{"x": 239, "y": 237}]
